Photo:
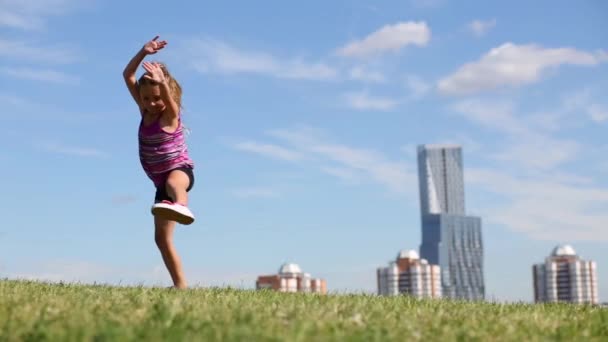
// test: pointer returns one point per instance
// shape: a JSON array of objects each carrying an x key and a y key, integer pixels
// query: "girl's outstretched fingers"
[
  {"x": 153, "y": 46},
  {"x": 154, "y": 72}
]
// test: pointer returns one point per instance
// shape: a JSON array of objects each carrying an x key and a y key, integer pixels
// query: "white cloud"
[
  {"x": 345, "y": 174},
  {"x": 512, "y": 65},
  {"x": 598, "y": 113},
  {"x": 19, "y": 21},
  {"x": 24, "y": 51},
  {"x": 533, "y": 195},
  {"x": 349, "y": 164},
  {"x": 72, "y": 150},
  {"x": 480, "y": 27},
  {"x": 269, "y": 150},
  {"x": 389, "y": 38},
  {"x": 211, "y": 56},
  {"x": 364, "y": 164},
  {"x": 545, "y": 208},
  {"x": 15, "y": 102},
  {"x": 582, "y": 101},
  {"x": 418, "y": 87},
  {"x": 256, "y": 192},
  {"x": 364, "y": 101},
  {"x": 548, "y": 120},
  {"x": 32, "y": 14},
  {"x": 44, "y": 75},
  {"x": 533, "y": 152},
  {"x": 524, "y": 146},
  {"x": 361, "y": 74},
  {"x": 491, "y": 114},
  {"x": 427, "y": 3}
]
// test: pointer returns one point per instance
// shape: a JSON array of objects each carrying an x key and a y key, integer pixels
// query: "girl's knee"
[{"x": 177, "y": 180}]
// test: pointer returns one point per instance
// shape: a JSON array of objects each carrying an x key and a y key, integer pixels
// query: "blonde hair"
[{"x": 176, "y": 89}]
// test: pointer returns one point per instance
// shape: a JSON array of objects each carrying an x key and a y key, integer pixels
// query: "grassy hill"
[{"x": 37, "y": 311}]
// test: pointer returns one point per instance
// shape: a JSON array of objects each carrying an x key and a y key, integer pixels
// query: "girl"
[{"x": 162, "y": 150}]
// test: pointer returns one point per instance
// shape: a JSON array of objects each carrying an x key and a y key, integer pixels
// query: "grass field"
[{"x": 36, "y": 311}]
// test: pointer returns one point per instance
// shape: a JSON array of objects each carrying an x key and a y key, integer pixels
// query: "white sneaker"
[{"x": 173, "y": 211}]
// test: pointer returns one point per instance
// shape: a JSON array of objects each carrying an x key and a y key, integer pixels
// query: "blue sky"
[{"x": 304, "y": 121}]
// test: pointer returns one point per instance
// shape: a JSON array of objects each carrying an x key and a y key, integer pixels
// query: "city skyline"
[{"x": 303, "y": 121}]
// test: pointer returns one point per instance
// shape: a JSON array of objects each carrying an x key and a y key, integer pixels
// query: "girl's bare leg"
[{"x": 163, "y": 235}]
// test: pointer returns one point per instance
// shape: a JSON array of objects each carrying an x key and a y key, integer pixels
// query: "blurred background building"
[
  {"x": 565, "y": 277},
  {"x": 291, "y": 279},
  {"x": 409, "y": 274}
]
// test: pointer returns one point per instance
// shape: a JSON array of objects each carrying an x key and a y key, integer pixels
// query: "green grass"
[{"x": 36, "y": 311}]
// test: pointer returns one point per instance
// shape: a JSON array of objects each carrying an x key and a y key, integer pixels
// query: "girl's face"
[{"x": 150, "y": 98}]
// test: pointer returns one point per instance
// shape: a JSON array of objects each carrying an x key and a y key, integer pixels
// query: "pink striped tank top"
[{"x": 160, "y": 152}]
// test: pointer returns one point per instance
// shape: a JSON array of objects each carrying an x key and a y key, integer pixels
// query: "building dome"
[
  {"x": 563, "y": 250},
  {"x": 290, "y": 268},
  {"x": 411, "y": 254}
]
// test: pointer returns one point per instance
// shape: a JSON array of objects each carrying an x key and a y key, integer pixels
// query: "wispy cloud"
[
  {"x": 481, "y": 27},
  {"x": 417, "y": 86},
  {"x": 531, "y": 151},
  {"x": 14, "y": 101},
  {"x": 78, "y": 151},
  {"x": 390, "y": 38},
  {"x": 349, "y": 164},
  {"x": 123, "y": 199},
  {"x": 32, "y": 15},
  {"x": 364, "y": 164},
  {"x": 19, "y": 21},
  {"x": 598, "y": 113},
  {"x": 427, "y": 3},
  {"x": 533, "y": 194},
  {"x": 523, "y": 145},
  {"x": 43, "y": 75},
  {"x": 512, "y": 65},
  {"x": 269, "y": 150},
  {"x": 30, "y": 51},
  {"x": 496, "y": 115},
  {"x": 212, "y": 56},
  {"x": 345, "y": 174},
  {"x": 364, "y": 101},
  {"x": 545, "y": 208},
  {"x": 585, "y": 101},
  {"x": 256, "y": 192},
  {"x": 360, "y": 73}
]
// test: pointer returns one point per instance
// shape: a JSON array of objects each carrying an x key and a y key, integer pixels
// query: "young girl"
[{"x": 162, "y": 150}]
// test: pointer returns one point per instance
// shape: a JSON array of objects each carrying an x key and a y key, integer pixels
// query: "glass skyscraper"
[{"x": 450, "y": 238}]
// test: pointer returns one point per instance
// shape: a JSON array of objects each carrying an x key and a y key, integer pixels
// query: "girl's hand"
[
  {"x": 153, "y": 46},
  {"x": 154, "y": 72}
]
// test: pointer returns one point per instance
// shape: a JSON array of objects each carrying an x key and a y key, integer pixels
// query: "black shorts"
[{"x": 161, "y": 191}]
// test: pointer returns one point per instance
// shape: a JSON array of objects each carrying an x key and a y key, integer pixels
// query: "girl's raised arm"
[{"x": 150, "y": 48}]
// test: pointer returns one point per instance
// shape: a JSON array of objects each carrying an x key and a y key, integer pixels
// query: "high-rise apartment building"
[
  {"x": 409, "y": 274},
  {"x": 450, "y": 238},
  {"x": 565, "y": 277},
  {"x": 291, "y": 279}
]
